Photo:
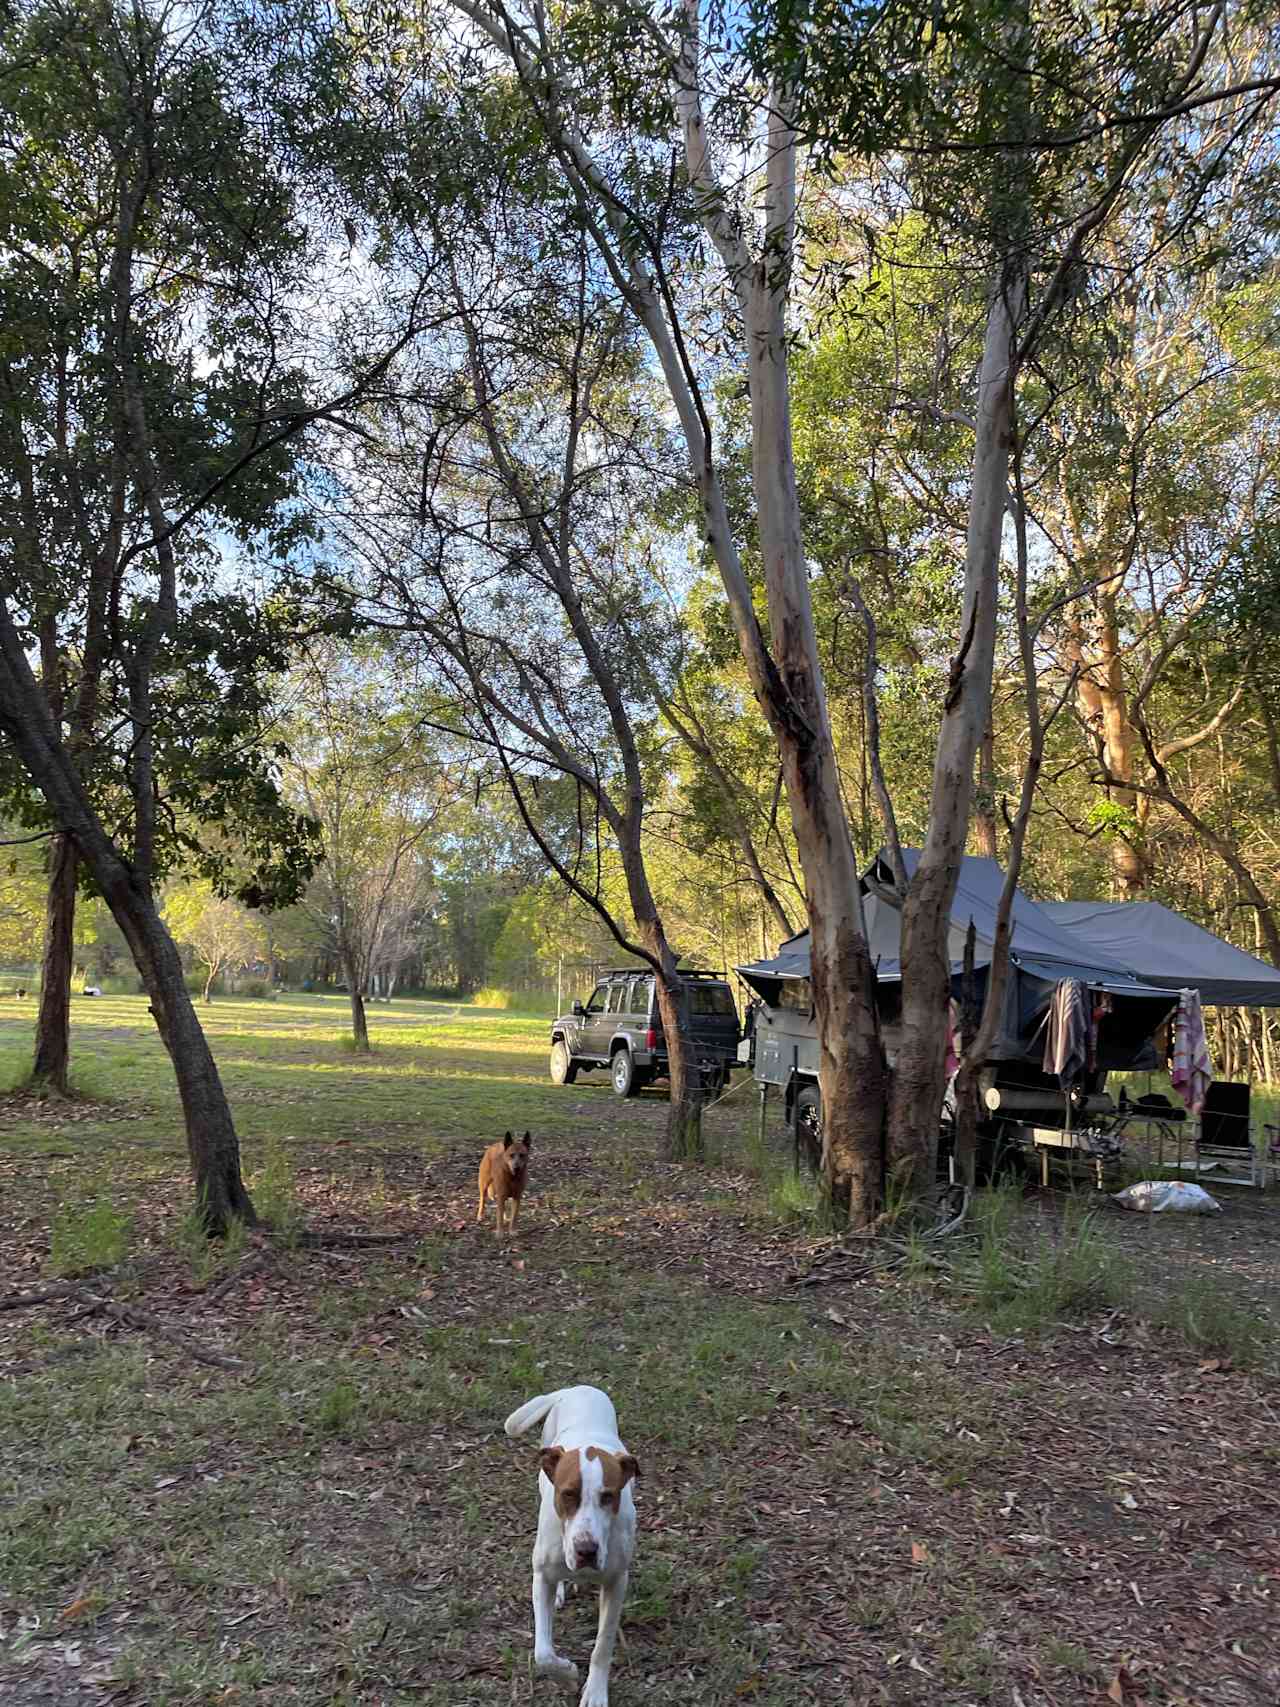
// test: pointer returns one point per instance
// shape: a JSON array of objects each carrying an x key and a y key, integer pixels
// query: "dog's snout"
[{"x": 587, "y": 1553}]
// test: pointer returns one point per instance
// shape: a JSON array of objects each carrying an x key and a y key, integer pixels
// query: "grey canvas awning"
[{"x": 1165, "y": 949}]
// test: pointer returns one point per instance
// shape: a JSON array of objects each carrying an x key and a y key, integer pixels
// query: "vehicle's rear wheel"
[
  {"x": 623, "y": 1073},
  {"x": 808, "y": 1117},
  {"x": 563, "y": 1067}
]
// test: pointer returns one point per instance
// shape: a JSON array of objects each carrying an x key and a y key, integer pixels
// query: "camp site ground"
[{"x": 1044, "y": 1471}]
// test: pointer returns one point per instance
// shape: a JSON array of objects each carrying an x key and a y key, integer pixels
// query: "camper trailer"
[{"x": 1131, "y": 962}]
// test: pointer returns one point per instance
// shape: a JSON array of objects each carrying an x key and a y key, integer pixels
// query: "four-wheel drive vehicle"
[{"x": 620, "y": 1028}]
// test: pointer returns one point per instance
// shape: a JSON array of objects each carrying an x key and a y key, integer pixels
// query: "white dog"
[{"x": 586, "y": 1524}]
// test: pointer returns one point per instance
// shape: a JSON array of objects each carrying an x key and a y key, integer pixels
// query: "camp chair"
[{"x": 1225, "y": 1133}]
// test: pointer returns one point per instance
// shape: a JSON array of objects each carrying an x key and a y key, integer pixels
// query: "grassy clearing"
[{"x": 935, "y": 1492}]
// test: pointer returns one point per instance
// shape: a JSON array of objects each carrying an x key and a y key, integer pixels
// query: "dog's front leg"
[
  {"x": 612, "y": 1595},
  {"x": 546, "y": 1661}
]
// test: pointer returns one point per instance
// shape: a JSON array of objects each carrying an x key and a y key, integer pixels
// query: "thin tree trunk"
[
  {"x": 212, "y": 1145},
  {"x": 359, "y": 1021},
  {"x": 851, "y": 1075},
  {"x": 916, "y": 1088},
  {"x": 208, "y": 983},
  {"x": 53, "y": 1023},
  {"x": 682, "y": 1140}
]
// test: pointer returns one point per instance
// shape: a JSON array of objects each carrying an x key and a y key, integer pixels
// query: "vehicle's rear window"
[{"x": 711, "y": 999}]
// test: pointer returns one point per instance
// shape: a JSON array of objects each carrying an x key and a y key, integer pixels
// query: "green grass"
[{"x": 1203, "y": 1311}]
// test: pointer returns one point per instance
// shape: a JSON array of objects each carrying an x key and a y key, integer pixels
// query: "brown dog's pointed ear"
[
  {"x": 629, "y": 1466},
  {"x": 528, "y": 1140},
  {"x": 551, "y": 1456},
  {"x": 506, "y": 1141}
]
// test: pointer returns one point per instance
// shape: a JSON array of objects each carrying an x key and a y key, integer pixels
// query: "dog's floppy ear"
[
  {"x": 506, "y": 1141},
  {"x": 551, "y": 1456},
  {"x": 629, "y": 1467}
]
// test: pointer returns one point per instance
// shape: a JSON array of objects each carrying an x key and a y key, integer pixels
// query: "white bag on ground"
[{"x": 1153, "y": 1195}]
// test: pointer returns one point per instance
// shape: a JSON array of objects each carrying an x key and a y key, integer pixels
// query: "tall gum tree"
[{"x": 756, "y": 258}]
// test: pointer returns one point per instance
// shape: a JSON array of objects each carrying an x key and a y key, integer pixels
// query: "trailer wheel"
[{"x": 808, "y": 1128}]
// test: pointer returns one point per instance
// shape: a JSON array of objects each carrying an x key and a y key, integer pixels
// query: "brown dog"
[{"x": 504, "y": 1168}]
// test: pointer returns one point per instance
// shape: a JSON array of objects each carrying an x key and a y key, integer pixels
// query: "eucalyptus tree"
[
  {"x": 149, "y": 387},
  {"x": 1014, "y": 134},
  {"x": 1162, "y": 476}
]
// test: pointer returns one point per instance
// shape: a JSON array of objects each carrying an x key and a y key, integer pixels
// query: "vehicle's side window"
[
  {"x": 638, "y": 998},
  {"x": 598, "y": 998},
  {"x": 618, "y": 998}
]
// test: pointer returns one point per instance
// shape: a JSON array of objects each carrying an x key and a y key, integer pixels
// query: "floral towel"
[{"x": 1192, "y": 1070}]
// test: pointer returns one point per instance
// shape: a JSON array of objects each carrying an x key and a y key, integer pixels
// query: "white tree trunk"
[{"x": 918, "y": 1081}]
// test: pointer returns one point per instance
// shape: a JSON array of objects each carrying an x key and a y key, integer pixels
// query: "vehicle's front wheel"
[
  {"x": 623, "y": 1073},
  {"x": 563, "y": 1067},
  {"x": 808, "y": 1118}
]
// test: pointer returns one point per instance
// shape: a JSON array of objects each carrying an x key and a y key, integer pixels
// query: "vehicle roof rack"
[{"x": 631, "y": 971}]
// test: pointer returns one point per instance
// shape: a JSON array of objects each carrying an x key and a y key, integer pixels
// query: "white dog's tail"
[{"x": 533, "y": 1412}]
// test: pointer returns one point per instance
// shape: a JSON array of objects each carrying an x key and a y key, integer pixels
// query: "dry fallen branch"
[
  {"x": 318, "y": 1241},
  {"x": 42, "y": 1295},
  {"x": 126, "y": 1314},
  {"x": 255, "y": 1265},
  {"x": 843, "y": 1263}
]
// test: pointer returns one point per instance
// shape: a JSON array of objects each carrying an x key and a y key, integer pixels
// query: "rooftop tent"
[{"x": 1165, "y": 949}]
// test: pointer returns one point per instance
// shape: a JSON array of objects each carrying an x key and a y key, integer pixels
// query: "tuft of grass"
[
  {"x": 794, "y": 1198},
  {"x": 1208, "y": 1317},
  {"x": 1069, "y": 1657},
  {"x": 205, "y": 1256},
  {"x": 88, "y": 1233},
  {"x": 1025, "y": 1284},
  {"x": 339, "y": 1405},
  {"x": 273, "y": 1188}
]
